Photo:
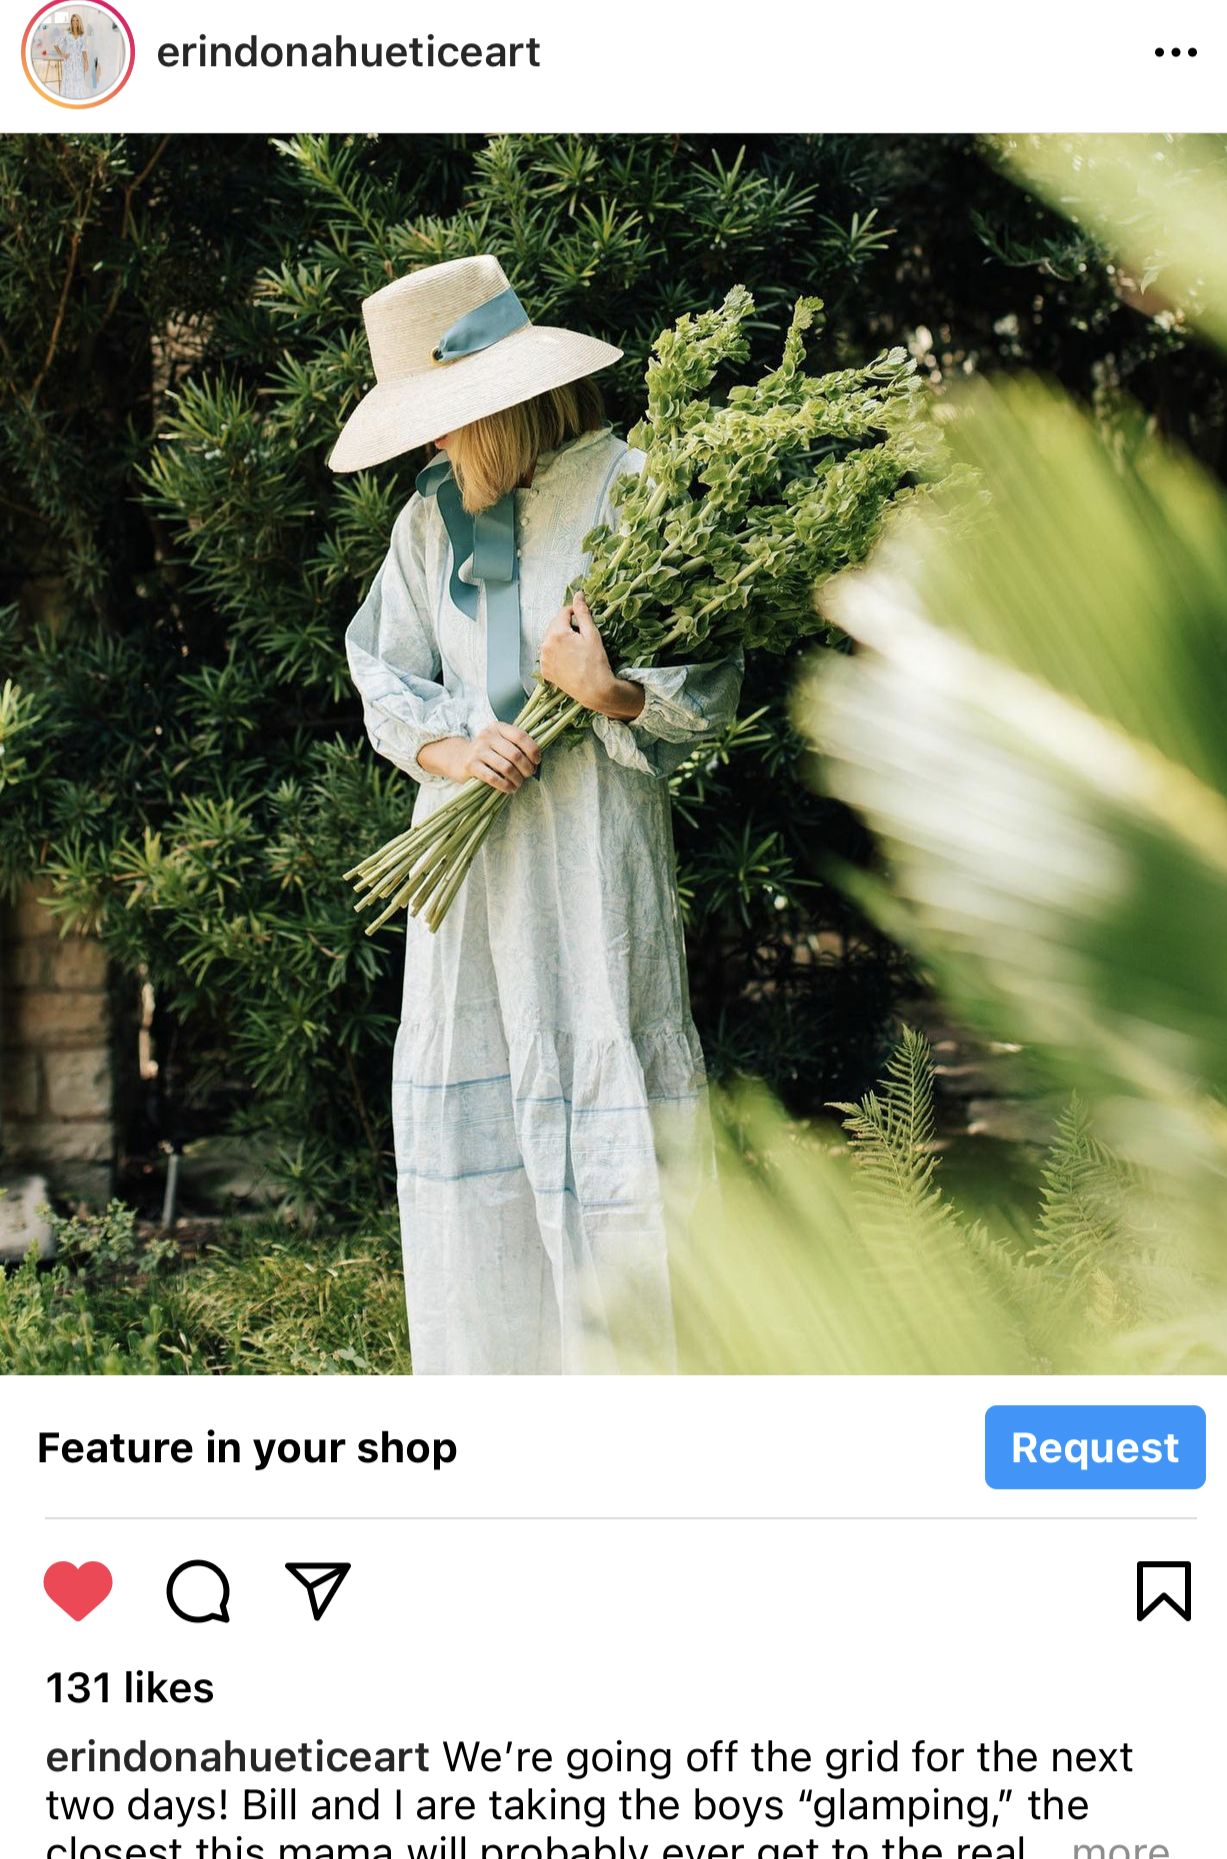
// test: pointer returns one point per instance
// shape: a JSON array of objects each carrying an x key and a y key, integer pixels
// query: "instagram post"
[{"x": 613, "y": 884}]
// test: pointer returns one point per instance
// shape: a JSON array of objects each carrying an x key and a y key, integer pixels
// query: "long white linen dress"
[
  {"x": 77, "y": 85},
  {"x": 546, "y": 1064}
]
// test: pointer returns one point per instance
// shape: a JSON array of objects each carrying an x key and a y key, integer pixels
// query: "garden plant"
[{"x": 743, "y": 506}]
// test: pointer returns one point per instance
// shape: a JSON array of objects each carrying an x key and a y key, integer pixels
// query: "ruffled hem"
[{"x": 544, "y": 1170}]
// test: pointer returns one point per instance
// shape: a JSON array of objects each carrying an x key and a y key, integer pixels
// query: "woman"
[
  {"x": 76, "y": 48},
  {"x": 546, "y": 1062}
]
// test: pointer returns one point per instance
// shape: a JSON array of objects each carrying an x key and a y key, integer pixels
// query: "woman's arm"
[
  {"x": 394, "y": 661},
  {"x": 683, "y": 706},
  {"x": 573, "y": 657},
  {"x": 676, "y": 707},
  {"x": 393, "y": 656},
  {"x": 648, "y": 717},
  {"x": 499, "y": 754}
]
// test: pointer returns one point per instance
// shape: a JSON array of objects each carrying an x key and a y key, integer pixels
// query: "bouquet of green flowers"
[{"x": 741, "y": 509}]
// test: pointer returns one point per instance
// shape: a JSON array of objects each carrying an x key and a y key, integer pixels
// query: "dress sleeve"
[
  {"x": 682, "y": 704},
  {"x": 393, "y": 654}
]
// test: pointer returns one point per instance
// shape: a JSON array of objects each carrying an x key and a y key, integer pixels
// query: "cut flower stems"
[{"x": 742, "y": 508}]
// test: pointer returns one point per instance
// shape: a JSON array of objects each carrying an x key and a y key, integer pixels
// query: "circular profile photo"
[{"x": 78, "y": 56}]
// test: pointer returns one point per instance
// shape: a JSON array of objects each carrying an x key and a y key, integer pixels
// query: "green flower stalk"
[{"x": 741, "y": 509}]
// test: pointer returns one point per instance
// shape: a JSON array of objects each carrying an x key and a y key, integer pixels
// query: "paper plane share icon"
[{"x": 321, "y": 1580}]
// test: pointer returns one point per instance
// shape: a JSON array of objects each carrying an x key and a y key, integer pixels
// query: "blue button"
[{"x": 1095, "y": 1448}]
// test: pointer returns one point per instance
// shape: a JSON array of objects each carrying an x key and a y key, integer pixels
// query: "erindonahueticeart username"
[{"x": 423, "y": 53}]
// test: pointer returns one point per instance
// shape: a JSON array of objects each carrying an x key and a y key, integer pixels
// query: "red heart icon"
[{"x": 78, "y": 1590}]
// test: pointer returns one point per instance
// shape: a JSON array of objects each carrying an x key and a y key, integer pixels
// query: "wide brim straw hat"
[{"x": 452, "y": 343}]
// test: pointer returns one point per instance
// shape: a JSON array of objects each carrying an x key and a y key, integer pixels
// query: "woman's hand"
[
  {"x": 500, "y": 755},
  {"x": 573, "y": 657}
]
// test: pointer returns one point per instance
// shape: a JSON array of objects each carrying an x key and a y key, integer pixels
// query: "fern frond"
[
  {"x": 1083, "y": 1189},
  {"x": 892, "y": 1128}
]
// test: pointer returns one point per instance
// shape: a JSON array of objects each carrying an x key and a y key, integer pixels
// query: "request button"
[{"x": 1095, "y": 1448}]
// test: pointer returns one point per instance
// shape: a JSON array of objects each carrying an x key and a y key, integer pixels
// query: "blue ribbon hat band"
[{"x": 498, "y": 317}]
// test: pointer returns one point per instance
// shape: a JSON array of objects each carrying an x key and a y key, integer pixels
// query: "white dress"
[
  {"x": 78, "y": 81},
  {"x": 546, "y": 1062}
]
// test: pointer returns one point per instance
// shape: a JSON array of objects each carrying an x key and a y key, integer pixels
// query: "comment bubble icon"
[{"x": 198, "y": 1592}]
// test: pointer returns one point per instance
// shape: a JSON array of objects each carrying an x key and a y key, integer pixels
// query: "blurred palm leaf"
[
  {"x": 799, "y": 1264},
  {"x": 1046, "y": 767},
  {"x": 1104, "y": 575},
  {"x": 809, "y": 1260},
  {"x": 1158, "y": 201},
  {"x": 1033, "y": 726}
]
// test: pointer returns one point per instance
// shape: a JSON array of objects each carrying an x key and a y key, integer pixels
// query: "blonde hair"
[{"x": 492, "y": 456}]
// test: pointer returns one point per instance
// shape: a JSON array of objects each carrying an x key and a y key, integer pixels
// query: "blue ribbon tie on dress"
[{"x": 490, "y": 536}]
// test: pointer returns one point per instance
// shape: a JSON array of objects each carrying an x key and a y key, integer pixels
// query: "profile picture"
[{"x": 78, "y": 56}]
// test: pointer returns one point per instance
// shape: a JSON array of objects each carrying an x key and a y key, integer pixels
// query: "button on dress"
[{"x": 548, "y": 1087}]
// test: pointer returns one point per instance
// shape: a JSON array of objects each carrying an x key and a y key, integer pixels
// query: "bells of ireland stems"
[{"x": 746, "y": 502}]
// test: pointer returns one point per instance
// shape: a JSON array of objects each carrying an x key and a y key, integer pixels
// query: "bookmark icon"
[
  {"x": 321, "y": 1580},
  {"x": 1165, "y": 1583}
]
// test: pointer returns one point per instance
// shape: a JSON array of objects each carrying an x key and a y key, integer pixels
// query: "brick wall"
[{"x": 64, "y": 1031}]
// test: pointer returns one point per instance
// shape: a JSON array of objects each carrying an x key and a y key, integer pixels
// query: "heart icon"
[{"x": 78, "y": 1590}]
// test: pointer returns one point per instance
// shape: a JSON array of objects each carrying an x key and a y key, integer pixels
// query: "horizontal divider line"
[{"x": 687, "y": 1517}]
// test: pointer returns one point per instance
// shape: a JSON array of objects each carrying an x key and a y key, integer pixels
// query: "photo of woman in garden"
[
  {"x": 546, "y": 1060},
  {"x": 611, "y": 754}
]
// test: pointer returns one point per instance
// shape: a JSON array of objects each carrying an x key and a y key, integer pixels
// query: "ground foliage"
[
  {"x": 254, "y": 1300},
  {"x": 862, "y": 1262}
]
